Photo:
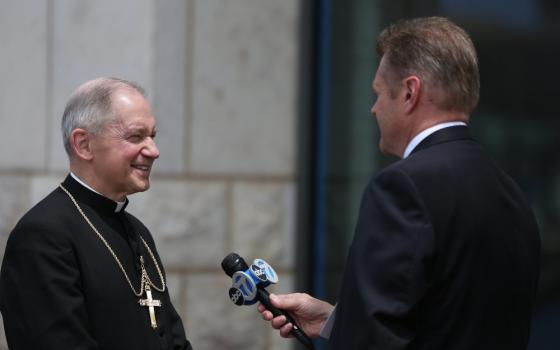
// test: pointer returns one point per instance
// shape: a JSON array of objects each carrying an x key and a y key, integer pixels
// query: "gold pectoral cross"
[{"x": 150, "y": 303}]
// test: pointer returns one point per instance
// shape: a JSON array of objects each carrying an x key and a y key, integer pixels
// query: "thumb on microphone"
[
  {"x": 292, "y": 301},
  {"x": 287, "y": 302}
]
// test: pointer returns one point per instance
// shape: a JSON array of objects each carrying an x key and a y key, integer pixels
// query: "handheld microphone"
[{"x": 248, "y": 286}]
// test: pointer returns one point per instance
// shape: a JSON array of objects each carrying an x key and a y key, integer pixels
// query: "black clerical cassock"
[{"x": 62, "y": 288}]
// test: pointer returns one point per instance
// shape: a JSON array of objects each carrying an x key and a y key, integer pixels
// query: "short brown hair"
[{"x": 438, "y": 51}]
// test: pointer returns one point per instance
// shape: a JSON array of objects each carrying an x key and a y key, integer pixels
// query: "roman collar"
[{"x": 93, "y": 199}]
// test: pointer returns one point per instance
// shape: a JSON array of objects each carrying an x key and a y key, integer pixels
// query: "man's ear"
[
  {"x": 80, "y": 143},
  {"x": 412, "y": 87}
]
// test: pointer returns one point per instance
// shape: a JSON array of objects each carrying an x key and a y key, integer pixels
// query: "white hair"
[{"x": 90, "y": 106}]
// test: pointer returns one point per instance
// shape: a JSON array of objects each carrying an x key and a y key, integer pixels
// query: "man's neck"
[
  {"x": 428, "y": 117},
  {"x": 81, "y": 182},
  {"x": 427, "y": 132},
  {"x": 89, "y": 181}
]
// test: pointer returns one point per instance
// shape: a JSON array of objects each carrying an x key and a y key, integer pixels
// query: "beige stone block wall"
[{"x": 221, "y": 77}]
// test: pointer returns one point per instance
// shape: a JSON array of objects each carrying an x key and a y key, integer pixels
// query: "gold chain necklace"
[{"x": 145, "y": 281}]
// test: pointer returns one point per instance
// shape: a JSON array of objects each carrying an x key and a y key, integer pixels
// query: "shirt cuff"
[{"x": 325, "y": 332}]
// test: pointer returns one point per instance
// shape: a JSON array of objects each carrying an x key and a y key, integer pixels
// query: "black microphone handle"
[{"x": 297, "y": 332}]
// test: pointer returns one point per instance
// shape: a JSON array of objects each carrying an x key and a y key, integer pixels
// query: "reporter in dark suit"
[{"x": 446, "y": 249}]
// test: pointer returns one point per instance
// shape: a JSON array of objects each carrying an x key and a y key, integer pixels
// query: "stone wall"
[{"x": 221, "y": 76}]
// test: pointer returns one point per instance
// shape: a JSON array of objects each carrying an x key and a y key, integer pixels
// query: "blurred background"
[{"x": 264, "y": 130}]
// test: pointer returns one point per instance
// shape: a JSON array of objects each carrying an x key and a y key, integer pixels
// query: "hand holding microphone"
[
  {"x": 310, "y": 313},
  {"x": 248, "y": 286}
]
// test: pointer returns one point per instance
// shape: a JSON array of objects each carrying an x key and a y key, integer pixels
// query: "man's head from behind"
[
  {"x": 440, "y": 53},
  {"x": 428, "y": 65},
  {"x": 108, "y": 130}
]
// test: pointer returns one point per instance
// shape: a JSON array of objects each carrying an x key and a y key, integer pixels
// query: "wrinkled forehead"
[
  {"x": 134, "y": 121},
  {"x": 130, "y": 109}
]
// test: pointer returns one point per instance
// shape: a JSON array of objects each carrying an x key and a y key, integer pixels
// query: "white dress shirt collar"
[{"x": 425, "y": 133}]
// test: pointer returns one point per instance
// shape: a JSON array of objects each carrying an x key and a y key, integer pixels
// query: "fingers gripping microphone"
[{"x": 248, "y": 286}]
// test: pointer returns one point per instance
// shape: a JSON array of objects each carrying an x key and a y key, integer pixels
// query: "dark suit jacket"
[{"x": 445, "y": 255}]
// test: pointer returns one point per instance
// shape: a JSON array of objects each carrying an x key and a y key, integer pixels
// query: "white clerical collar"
[
  {"x": 422, "y": 135},
  {"x": 119, "y": 206}
]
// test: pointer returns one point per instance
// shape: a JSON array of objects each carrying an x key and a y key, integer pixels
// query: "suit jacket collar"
[{"x": 452, "y": 133}]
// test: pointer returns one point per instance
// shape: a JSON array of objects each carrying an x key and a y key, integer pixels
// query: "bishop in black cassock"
[
  {"x": 60, "y": 287},
  {"x": 79, "y": 272}
]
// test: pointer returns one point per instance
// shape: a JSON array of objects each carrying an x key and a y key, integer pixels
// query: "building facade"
[{"x": 221, "y": 77}]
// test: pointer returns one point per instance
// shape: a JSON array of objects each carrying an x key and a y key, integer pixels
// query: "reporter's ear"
[{"x": 412, "y": 89}]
